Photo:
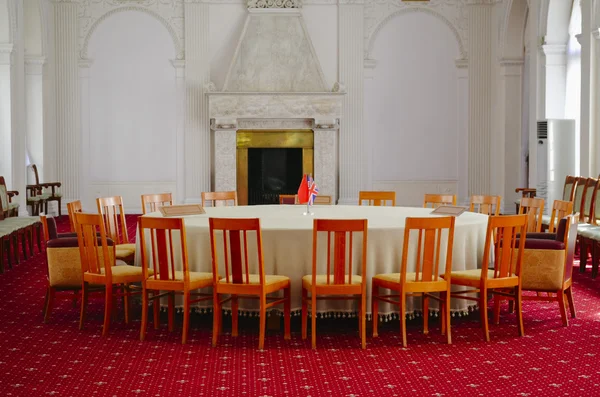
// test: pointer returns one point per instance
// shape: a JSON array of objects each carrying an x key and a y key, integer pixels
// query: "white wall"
[
  {"x": 412, "y": 107},
  {"x": 226, "y": 25},
  {"x": 132, "y": 87}
]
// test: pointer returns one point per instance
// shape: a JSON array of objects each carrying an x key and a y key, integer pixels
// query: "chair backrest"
[
  {"x": 560, "y": 209},
  {"x": 3, "y": 195},
  {"x": 159, "y": 253},
  {"x": 72, "y": 208},
  {"x": 322, "y": 200},
  {"x": 44, "y": 221},
  {"x": 437, "y": 200},
  {"x": 569, "y": 188},
  {"x": 589, "y": 195},
  {"x": 113, "y": 215},
  {"x": 96, "y": 254},
  {"x": 35, "y": 173},
  {"x": 219, "y": 198},
  {"x": 578, "y": 197},
  {"x": 151, "y": 202},
  {"x": 341, "y": 249},
  {"x": 377, "y": 198},
  {"x": 534, "y": 209},
  {"x": 288, "y": 199},
  {"x": 501, "y": 237},
  {"x": 234, "y": 250},
  {"x": 570, "y": 239},
  {"x": 430, "y": 237},
  {"x": 489, "y": 205}
]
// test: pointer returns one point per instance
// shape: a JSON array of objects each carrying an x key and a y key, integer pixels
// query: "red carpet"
[{"x": 39, "y": 359}]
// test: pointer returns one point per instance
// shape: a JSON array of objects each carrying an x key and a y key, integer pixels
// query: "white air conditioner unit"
[{"x": 555, "y": 158}]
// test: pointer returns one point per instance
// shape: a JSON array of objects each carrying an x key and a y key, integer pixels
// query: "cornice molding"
[
  {"x": 504, "y": 62},
  {"x": 462, "y": 63},
  {"x": 35, "y": 60},
  {"x": 274, "y": 4},
  {"x": 65, "y": 1},
  {"x": 554, "y": 49},
  {"x": 178, "y": 63},
  {"x": 86, "y": 63}
]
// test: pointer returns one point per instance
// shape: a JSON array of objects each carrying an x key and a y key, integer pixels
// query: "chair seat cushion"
[
  {"x": 125, "y": 251},
  {"x": 395, "y": 277},
  {"x": 124, "y": 270},
  {"x": 322, "y": 280},
  {"x": 12, "y": 206},
  {"x": 255, "y": 279},
  {"x": 194, "y": 276},
  {"x": 591, "y": 232}
]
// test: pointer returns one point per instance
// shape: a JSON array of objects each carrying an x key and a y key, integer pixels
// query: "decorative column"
[
  {"x": 5, "y": 112},
  {"x": 596, "y": 93},
  {"x": 462, "y": 75},
  {"x": 197, "y": 124},
  {"x": 225, "y": 156},
  {"x": 19, "y": 119},
  {"x": 480, "y": 96},
  {"x": 353, "y": 167},
  {"x": 34, "y": 67},
  {"x": 179, "y": 66},
  {"x": 324, "y": 165},
  {"x": 87, "y": 196},
  {"x": 67, "y": 93},
  {"x": 587, "y": 142},
  {"x": 556, "y": 83}
]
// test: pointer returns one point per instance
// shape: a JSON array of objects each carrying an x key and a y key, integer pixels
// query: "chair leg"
[
  {"x": 171, "y": 311},
  {"x": 569, "y": 293},
  {"x": 287, "y": 310},
  {"x": 403, "y": 317},
  {"x": 263, "y": 321},
  {"x": 447, "y": 316},
  {"x": 595, "y": 259},
  {"x": 59, "y": 206},
  {"x": 144, "y": 314},
  {"x": 186, "y": 316},
  {"x": 375, "y": 307},
  {"x": 234, "y": 315},
  {"x": 425, "y": 303},
  {"x": 84, "y": 298},
  {"x": 519, "y": 309},
  {"x": 108, "y": 302},
  {"x": 216, "y": 318},
  {"x": 562, "y": 308},
  {"x": 304, "y": 311},
  {"x": 48, "y": 303},
  {"x": 126, "y": 294},
  {"x": 483, "y": 312},
  {"x": 313, "y": 319},
  {"x": 496, "y": 312},
  {"x": 363, "y": 320}
]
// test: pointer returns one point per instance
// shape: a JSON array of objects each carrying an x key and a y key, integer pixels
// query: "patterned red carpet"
[{"x": 39, "y": 359}]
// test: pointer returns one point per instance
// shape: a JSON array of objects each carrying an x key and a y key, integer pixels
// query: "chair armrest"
[
  {"x": 67, "y": 242},
  {"x": 67, "y": 235},
  {"x": 11, "y": 194},
  {"x": 541, "y": 236},
  {"x": 539, "y": 244},
  {"x": 51, "y": 184},
  {"x": 525, "y": 190}
]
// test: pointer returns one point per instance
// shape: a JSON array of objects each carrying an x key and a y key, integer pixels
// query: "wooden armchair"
[
  {"x": 8, "y": 207},
  {"x": 50, "y": 191}
]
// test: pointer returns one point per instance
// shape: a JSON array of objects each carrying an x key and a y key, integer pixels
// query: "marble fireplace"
[{"x": 274, "y": 87}]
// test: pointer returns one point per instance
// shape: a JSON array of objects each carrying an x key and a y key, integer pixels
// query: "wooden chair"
[
  {"x": 151, "y": 202},
  {"x": 504, "y": 280},
  {"x": 534, "y": 209},
  {"x": 489, "y": 205},
  {"x": 238, "y": 281},
  {"x": 548, "y": 267},
  {"x": 219, "y": 198},
  {"x": 377, "y": 198},
  {"x": 560, "y": 209},
  {"x": 569, "y": 188},
  {"x": 98, "y": 267},
  {"x": 111, "y": 209},
  {"x": 51, "y": 191},
  {"x": 160, "y": 253},
  {"x": 8, "y": 207},
  {"x": 72, "y": 208},
  {"x": 336, "y": 283},
  {"x": 64, "y": 265},
  {"x": 526, "y": 192},
  {"x": 426, "y": 277},
  {"x": 288, "y": 199},
  {"x": 322, "y": 200},
  {"x": 578, "y": 196},
  {"x": 436, "y": 200},
  {"x": 589, "y": 226}
]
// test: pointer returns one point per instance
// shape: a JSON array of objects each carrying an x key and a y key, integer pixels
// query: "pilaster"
[
  {"x": 587, "y": 141},
  {"x": 197, "y": 76},
  {"x": 596, "y": 93},
  {"x": 5, "y": 111},
  {"x": 67, "y": 93},
  {"x": 85, "y": 70},
  {"x": 353, "y": 167},
  {"x": 325, "y": 138},
  {"x": 556, "y": 72},
  {"x": 18, "y": 119},
  {"x": 480, "y": 97},
  {"x": 34, "y": 108},
  {"x": 225, "y": 159},
  {"x": 179, "y": 66}
]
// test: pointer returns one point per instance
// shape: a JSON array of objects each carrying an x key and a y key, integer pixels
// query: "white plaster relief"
[
  {"x": 325, "y": 161},
  {"x": 452, "y": 12},
  {"x": 225, "y": 160},
  {"x": 275, "y": 124},
  {"x": 169, "y": 12}
]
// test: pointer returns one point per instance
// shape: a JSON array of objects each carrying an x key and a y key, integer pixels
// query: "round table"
[{"x": 287, "y": 245}]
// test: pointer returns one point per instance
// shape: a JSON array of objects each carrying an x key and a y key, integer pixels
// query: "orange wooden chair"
[
  {"x": 377, "y": 198},
  {"x": 161, "y": 255},
  {"x": 336, "y": 283},
  {"x": 436, "y": 200},
  {"x": 115, "y": 225},
  {"x": 288, "y": 199},
  {"x": 425, "y": 279},
  {"x": 323, "y": 200},
  {"x": 534, "y": 209},
  {"x": 504, "y": 279},
  {"x": 219, "y": 198},
  {"x": 98, "y": 267},
  {"x": 151, "y": 202},
  {"x": 239, "y": 282},
  {"x": 72, "y": 208},
  {"x": 489, "y": 205},
  {"x": 560, "y": 209}
]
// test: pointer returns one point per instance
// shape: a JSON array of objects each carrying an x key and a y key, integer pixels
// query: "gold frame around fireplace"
[{"x": 261, "y": 139}]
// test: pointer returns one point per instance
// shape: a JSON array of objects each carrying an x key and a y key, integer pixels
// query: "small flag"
[
  {"x": 303, "y": 190},
  {"x": 313, "y": 190}
]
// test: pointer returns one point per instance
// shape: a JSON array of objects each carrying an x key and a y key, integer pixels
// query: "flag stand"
[{"x": 308, "y": 209}]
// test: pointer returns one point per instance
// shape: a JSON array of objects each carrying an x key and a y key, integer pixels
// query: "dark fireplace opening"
[{"x": 272, "y": 172}]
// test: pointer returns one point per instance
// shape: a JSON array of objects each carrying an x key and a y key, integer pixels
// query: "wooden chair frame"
[
  {"x": 534, "y": 209},
  {"x": 437, "y": 200},
  {"x": 223, "y": 197},
  {"x": 53, "y": 195},
  {"x": 560, "y": 209},
  {"x": 72, "y": 208},
  {"x": 288, "y": 199},
  {"x": 237, "y": 281},
  {"x": 488, "y": 205},
  {"x": 569, "y": 188},
  {"x": 323, "y": 200},
  {"x": 154, "y": 201},
  {"x": 160, "y": 255},
  {"x": 339, "y": 274},
  {"x": 377, "y": 198},
  {"x": 427, "y": 277}
]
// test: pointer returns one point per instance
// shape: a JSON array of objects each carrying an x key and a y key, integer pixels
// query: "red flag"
[{"x": 303, "y": 190}]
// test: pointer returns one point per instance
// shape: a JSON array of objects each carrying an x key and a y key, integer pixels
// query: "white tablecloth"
[{"x": 287, "y": 244}]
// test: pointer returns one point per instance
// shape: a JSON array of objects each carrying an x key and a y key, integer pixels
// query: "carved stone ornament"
[{"x": 274, "y": 4}]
